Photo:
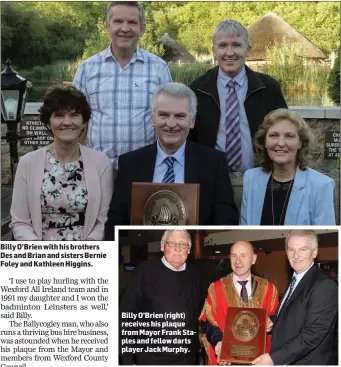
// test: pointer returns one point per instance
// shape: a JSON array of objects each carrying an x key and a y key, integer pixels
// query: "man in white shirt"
[
  {"x": 238, "y": 289},
  {"x": 304, "y": 325},
  {"x": 119, "y": 83}
]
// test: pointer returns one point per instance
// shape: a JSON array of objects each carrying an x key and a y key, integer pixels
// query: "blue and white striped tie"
[
  {"x": 169, "y": 175},
  {"x": 233, "y": 147}
]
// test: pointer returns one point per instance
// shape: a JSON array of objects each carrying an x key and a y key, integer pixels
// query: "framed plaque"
[
  {"x": 244, "y": 335},
  {"x": 164, "y": 204}
]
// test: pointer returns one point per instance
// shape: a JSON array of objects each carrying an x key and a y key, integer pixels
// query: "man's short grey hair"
[
  {"x": 303, "y": 233},
  {"x": 231, "y": 27},
  {"x": 135, "y": 4},
  {"x": 170, "y": 231},
  {"x": 177, "y": 90}
]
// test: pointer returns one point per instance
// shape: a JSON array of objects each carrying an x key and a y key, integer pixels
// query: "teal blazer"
[{"x": 311, "y": 200}]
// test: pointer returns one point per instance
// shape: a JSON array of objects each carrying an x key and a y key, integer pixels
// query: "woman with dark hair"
[
  {"x": 283, "y": 190},
  {"x": 62, "y": 191}
]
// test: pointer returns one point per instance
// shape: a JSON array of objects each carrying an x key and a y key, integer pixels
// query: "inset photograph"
[{"x": 197, "y": 297}]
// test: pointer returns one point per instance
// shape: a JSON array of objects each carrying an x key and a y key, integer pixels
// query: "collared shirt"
[
  {"x": 169, "y": 266},
  {"x": 161, "y": 166},
  {"x": 298, "y": 279},
  {"x": 120, "y": 100},
  {"x": 246, "y": 141},
  {"x": 238, "y": 286}
]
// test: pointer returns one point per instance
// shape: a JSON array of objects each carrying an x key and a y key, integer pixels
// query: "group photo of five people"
[{"x": 142, "y": 127}]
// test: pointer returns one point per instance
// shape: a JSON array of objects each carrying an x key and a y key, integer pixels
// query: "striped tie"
[
  {"x": 169, "y": 175},
  {"x": 233, "y": 140},
  {"x": 291, "y": 289}
]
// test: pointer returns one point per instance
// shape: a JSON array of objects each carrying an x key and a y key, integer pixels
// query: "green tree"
[
  {"x": 100, "y": 39},
  {"x": 38, "y": 33},
  {"x": 334, "y": 81},
  {"x": 24, "y": 38}
]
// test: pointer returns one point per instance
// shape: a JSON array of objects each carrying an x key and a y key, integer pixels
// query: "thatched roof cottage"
[
  {"x": 271, "y": 28},
  {"x": 174, "y": 51}
]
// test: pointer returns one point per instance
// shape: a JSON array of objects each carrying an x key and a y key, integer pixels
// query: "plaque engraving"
[
  {"x": 245, "y": 326},
  {"x": 164, "y": 204},
  {"x": 243, "y": 350},
  {"x": 165, "y": 207}
]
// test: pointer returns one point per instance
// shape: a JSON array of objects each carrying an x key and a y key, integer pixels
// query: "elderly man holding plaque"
[
  {"x": 304, "y": 325},
  {"x": 172, "y": 159},
  {"x": 240, "y": 289},
  {"x": 162, "y": 303}
]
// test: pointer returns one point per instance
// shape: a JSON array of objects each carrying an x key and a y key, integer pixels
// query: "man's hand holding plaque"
[
  {"x": 244, "y": 335},
  {"x": 218, "y": 346}
]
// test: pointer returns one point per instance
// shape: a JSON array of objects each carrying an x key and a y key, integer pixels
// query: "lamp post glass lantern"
[
  {"x": 13, "y": 100},
  {"x": 13, "y": 94}
]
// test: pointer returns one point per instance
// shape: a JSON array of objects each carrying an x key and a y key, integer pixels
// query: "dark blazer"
[
  {"x": 263, "y": 96},
  {"x": 203, "y": 165},
  {"x": 303, "y": 332}
]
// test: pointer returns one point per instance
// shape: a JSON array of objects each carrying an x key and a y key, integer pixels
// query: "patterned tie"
[
  {"x": 233, "y": 139},
  {"x": 169, "y": 175},
  {"x": 243, "y": 292},
  {"x": 291, "y": 289}
]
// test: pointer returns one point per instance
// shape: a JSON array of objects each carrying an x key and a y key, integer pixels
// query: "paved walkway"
[{"x": 6, "y": 198}]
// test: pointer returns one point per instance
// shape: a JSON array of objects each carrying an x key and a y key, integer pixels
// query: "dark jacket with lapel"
[
  {"x": 203, "y": 165},
  {"x": 263, "y": 96},
  {"x": 303, "y": 333}
]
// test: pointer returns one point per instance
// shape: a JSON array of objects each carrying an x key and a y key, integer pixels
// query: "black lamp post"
[{"x": 13, "y": 100}]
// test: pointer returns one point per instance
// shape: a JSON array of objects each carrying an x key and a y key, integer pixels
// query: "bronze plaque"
[
  {"x": 164, "y": 204},
  {"x": 244, "y": 335}
]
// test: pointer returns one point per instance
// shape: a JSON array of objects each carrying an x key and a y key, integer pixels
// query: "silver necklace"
[{"x": 272, "y": 200}]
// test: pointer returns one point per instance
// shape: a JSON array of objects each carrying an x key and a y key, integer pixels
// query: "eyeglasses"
[{"x": 173, "y": 244}]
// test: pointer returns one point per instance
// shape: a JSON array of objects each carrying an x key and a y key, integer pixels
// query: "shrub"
[
  {"x": 286, "y": 64},
  {"x": 58, "y": 71},
  {"x": 187, "y": 72}
]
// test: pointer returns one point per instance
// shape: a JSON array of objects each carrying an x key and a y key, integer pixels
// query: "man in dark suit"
[
  {"x": 232, "y": 99},
  {"x": 173, "y": 115},
  {"x": 304, "y": 325}
]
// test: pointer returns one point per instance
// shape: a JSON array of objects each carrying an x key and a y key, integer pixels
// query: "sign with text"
[
  {"x": 331, "y": 144},
  {"x": 33, "y": 132}
]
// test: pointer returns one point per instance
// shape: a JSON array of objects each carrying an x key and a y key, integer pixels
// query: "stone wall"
[{"x": 320, "y": 119}]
